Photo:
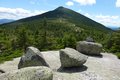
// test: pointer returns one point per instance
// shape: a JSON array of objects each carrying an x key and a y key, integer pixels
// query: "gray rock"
[
  {"x": 32, "y": 57},
  {"x": 89, "y": 39},
  {"x": 71, "y": 58},
  {"x": 29, "y": 73},
  {"x": 89, "y": 48}
]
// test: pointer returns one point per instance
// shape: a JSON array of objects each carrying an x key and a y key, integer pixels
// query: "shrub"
[
  {"x": 9, "y": 55},
  {"x": 118, "y": 55}
]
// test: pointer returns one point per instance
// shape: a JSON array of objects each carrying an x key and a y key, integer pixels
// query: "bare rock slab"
[
  {"x": 29, "y": 73},
  {"x": 71, "y": 58},
  {"x": 89, "y": 48},
  {"x": 32, "y": 57}
]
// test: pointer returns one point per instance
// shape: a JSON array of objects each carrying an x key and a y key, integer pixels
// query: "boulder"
[
  {"x": 32, "y": 57},
  {"x": 29, "y": 73},
  {"x": 89, "y": 48},
  {"x": 89, "y": 39},
  {"x": 71, "y": 58}
]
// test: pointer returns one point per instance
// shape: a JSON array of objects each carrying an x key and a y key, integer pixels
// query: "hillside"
[{"x": 52, "y": 30}]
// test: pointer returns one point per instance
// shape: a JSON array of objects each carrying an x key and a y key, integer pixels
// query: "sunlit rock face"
[
  {"x": 89, "y": 48},
  {"x": 29, "y": 73},
  {"x": 32, "y": 57},
  {"x": 71, "y": 58}
]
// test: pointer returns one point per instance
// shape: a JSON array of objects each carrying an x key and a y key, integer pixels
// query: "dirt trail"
[{"x": 96, "y": 68}]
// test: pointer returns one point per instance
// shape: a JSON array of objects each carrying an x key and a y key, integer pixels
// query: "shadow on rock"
[
  {"x": 1, "y": 71},
  {"x": 72, "y": 69}
]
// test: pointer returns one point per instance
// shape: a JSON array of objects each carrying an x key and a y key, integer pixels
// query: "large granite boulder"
[
  {"x": 71, "y": 58},
  {"x": 89, "y": 48},
  {"x": 29, "y": 73},
  {"x": 32, "y": 57}
]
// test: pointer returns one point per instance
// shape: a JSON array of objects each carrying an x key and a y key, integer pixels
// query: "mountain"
[
  {"x": 2, "y": 21},
  {"x": 66, "y": 15},
  {"x": 114, "y": 27}
]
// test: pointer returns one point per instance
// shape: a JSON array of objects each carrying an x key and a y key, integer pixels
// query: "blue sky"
[{"x": 106, "y": 12}]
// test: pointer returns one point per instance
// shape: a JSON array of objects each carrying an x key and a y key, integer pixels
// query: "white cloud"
[
  {"x": 107, "y": 20},
  {"x": 79, "y": 11},
  {"x": 87, "y": 15},
  {"x": 107, "y": 17},
  {"x": 118, "y": 3},
  {"x": 17, "y": 13},
  {"x": 69, "y": 3},
  {"x": 85, "y": 2}
]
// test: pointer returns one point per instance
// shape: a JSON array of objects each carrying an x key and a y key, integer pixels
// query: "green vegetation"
[
  {"x": 9, "y": 55},
  {"x": 53, "y": 30},
  {"x": 118, "y": 55},
  {"x": 113, "y": 44}
]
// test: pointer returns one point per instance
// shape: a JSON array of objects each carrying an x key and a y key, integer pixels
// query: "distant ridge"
[
  {"x": 114, "y": 27},
  {"x": 2, "y": 21}
]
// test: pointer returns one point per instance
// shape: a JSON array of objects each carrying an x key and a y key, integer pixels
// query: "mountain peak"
[{"x": 61, "y": 8}]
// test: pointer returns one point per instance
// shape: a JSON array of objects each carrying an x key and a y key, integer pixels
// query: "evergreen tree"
[
  {"x": 69, "y": 41},
  {"x": 44, "y": 36},
  {"x": 38, "y": 40},
  {"x": 114, "y": 43},
  {"x": 13, "y": 44},
  {"x": 22, "y": 38}
]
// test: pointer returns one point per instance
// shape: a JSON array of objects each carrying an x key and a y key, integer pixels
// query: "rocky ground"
[{"x": 106, "y": 67}]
